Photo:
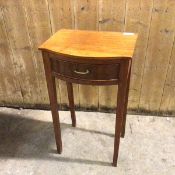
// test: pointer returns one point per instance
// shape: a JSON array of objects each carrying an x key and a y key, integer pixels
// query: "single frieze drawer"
[{"x": 86, "y": 71}]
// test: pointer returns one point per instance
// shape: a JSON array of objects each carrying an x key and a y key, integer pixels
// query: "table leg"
[
  {"x": 53, "y": 101},
  {"x": 71, "y": 102},
  {"x": 126, "y": 101},
  {"x": 120, "y": 109}
]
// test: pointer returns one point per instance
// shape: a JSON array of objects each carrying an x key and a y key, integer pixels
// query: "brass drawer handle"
[{"x": 82, "y": 73}]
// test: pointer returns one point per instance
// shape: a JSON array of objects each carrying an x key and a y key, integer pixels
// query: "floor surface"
[{"x": 27, "y": 144}]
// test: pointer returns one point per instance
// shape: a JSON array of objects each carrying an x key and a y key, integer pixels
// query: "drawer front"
[{"x": 86, "y": 71}]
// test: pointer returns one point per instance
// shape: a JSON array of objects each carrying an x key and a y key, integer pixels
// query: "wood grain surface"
[
  {"x": 91, "y": 44},
  {"x": 24, "y": 25}
]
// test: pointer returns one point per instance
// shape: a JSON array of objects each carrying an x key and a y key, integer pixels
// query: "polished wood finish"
[
  {"x": 126, "y": 100},
  {"x": 71, "y": 102},
  {"x": 94, "y": 58},
  {"x": 53, "y": 100},
  {"x": 92, "y": 44},
  {"x": 122, "y": 87}
]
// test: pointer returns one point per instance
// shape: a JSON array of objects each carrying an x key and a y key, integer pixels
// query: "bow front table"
[{"x": 92, "y": 58}]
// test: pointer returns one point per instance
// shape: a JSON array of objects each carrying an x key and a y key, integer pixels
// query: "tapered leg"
[
  {"x": 120, "y": 109},
  {"x": 53, "y": 101},
  {"x": 71, "y": 103},
  {"x": 126, "y": 101}
]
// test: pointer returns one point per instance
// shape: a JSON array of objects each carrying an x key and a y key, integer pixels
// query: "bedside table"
[{"x": 93, "y": 58}]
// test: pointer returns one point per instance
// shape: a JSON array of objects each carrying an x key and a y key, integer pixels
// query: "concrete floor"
[{"x": 27, "y": 144}]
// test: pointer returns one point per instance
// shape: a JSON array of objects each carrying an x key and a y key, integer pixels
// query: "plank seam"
[
  {"x": 73, "y": 13},
  {"x": 73, "y": 9},
  {"x": 30, "y": 42},
  {"x": 49, "y": 13},
  {"x": 167, "y": 73},
  {"x": 52, "y": 30},
  {"x": 146, "y": 54},
  {"x": 125, "y": 14},
  {"x": 2, "y": 95}
]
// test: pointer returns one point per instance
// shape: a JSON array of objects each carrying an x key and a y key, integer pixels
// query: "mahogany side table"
[{"x": 93, "y": 58}]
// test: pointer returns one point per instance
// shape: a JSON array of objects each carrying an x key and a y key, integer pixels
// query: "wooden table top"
[{"x": 94, "y": 44}]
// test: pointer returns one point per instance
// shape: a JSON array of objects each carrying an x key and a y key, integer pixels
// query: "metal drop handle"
[{"x": 82, "y": 73}]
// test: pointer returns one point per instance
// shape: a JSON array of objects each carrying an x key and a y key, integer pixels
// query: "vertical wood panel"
[
  {"x": 170, "y": 93},
  {"x": 168, "y": 101},
  {"x": 61, "y": 13},
  {"x": 38, "y": 26},
  {"x": 106, "y": 18},
  {"x": 158, "y": 54},
  {"x": 3, "y": 52},
  {"x": 21, "y": 50},
  {"x": 10, "y": 92},
  {"x": 111, "y": 18},
  {"x": 138, "y": 17},
  {"x": 86, "y": 18}
]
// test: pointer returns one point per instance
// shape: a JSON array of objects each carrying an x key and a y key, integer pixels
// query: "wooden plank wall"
[{"x": 24, "y": 25}]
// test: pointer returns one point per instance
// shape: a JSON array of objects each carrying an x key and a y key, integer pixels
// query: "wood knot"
[
  {"x": 104, "y": 20},
  {"x": 82, "y": 8}
]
